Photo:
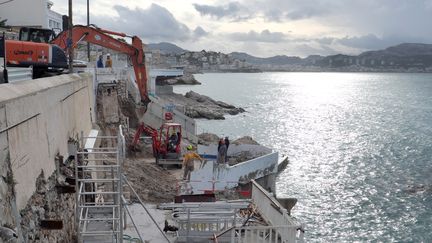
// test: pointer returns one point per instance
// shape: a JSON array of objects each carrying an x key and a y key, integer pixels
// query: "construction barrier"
[
  {"x": 184, "y": 188},
  {"x": 16, "y": 74}
]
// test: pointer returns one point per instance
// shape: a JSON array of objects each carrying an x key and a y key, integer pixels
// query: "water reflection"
[{"x": 355, "y": 142}]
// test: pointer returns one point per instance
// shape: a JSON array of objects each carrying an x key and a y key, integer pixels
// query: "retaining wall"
[
  {"x": 234, "y": 149},
  {"x": 226, "y": 177},
  {"x": 37, "y": 117}
]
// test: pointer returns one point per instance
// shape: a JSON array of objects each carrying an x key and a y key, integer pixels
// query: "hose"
[{"x": 131, "y": 239}]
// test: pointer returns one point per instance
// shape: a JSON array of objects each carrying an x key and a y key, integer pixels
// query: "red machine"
[
  {"x": 102, "y": 37},
  {"x": 34, "y": 49},
  {"x": 165, "y": 143}
]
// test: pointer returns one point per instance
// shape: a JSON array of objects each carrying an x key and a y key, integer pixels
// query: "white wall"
[
  {"x": 233, "y": 149},
  {"x": 41, "y": 115},
  {"x": 25, "y": 13},
  {"x": 229, "y": 176},
  {"x": 155, "y": 117}
]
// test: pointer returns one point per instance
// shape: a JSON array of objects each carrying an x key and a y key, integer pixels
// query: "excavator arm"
[{"x": 102, "y": 38}]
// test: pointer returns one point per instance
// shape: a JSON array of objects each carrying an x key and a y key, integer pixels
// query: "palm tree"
[{"x": 3, "y": 22}]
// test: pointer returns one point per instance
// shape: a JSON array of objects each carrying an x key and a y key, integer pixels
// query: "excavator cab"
[{"x": 36, "y": 35}]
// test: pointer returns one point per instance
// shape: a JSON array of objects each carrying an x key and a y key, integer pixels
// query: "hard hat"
[
  {"x": 189, "y": 147},
  {"x": 108, "y": 54}
]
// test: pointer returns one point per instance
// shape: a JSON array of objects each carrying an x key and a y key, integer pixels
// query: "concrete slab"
[{"x": 147, "y": 229}]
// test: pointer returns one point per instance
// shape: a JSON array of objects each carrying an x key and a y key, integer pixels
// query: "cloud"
[
  {"x": 253, "y": 36},
  {"x": 200, "y": 32},
  {"x": 228, "y": 10},
  {"x": 155, "y": 23}
]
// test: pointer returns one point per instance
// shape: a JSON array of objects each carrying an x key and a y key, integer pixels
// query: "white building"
[{"x": 31, "y": 13}]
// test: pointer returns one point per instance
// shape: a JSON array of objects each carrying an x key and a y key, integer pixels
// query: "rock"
[
  {"x": 208, "y": 138},
  {"x": 7, "y": 235},
  {"x": 187, "y": 78},
  {"x": 245, "y": 140},
  {"x": 225, "y": 105},
  {"x": 200, "y": 106},
  {"x": 211, "y": 115},
  {"x": 235, "y": 111}
]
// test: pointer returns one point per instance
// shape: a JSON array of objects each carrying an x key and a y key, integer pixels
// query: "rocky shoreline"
[
  {"x": 196, "y": 105},
  {"x": 187, "y": 78}
]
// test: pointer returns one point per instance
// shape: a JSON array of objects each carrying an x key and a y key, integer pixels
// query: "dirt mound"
[
  {"x": 151, "y": 182},
  {"x": 245, "y": 140}
]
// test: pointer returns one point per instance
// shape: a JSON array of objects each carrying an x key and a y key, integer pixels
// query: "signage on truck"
[{"x": 18, "y": 52}]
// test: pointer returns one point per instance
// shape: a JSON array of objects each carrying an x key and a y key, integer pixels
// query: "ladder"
[{"x": 98, "y": 179}]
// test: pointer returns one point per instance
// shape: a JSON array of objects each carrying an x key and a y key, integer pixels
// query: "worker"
[
  {"x": 108, "y": 62},
  {"x": 172, "y": 142},
  {"x": 188, "y": 162},
  {"x": 100, "y": 62},
  {"x": 221, "y": 157},
  {"x": 227, "y": 143}
]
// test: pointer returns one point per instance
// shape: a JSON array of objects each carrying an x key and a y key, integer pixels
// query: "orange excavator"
[
  {"x": 103, "y": 38},
  {"x": 47, "y": 53},
  {"x": 34, "y": 49}
]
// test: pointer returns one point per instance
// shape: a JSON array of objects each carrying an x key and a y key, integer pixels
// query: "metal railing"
[
  {"x": 289, "y": 229},
  {"x": 16, "y": 74},
  {"x": 264, "y": 234}
]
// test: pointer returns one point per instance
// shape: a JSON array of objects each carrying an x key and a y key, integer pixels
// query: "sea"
[{"x": 359, "y": 147}]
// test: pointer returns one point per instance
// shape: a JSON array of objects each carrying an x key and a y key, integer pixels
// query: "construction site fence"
[
  {"x": 264, "y": 234},
  {"x": 16, "y": 74},
  {"x": 183, "y": 187}
]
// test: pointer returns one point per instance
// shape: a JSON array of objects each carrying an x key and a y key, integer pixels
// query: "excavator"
[
  {"x": 46, "y": 52},
  {"x": 103, "y": 38},
  {"x": 33, "y": 49}
]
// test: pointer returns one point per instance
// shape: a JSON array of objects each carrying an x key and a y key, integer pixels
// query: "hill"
[
  {"x": 166, "y": 48},
  {"x": 275, "y": 60}
]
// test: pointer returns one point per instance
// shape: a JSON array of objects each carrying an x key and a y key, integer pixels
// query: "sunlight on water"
[{"x": 359, "y": 145}]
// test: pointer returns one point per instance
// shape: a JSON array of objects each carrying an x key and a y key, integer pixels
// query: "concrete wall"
[
  {"x": 233, "y": 149},
  {"x": 228, "y": 176},
  {"x": 155, "y": 116},
  {"x": 276, "y": 215},
  {"x": 37, "y": 118}
]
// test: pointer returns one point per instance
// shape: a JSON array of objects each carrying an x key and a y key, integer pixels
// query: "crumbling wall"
[
  {"x": 49, "y": 214},
  {"x": 37, "y": 118}
]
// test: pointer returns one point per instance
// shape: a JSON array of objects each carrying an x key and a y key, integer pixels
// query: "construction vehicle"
[
  {"x": 101, "y": 37},
  {"x": 46, "y": 52},
  {"x": 34, "y": 49},
  {"x": 166, "y": 149}
]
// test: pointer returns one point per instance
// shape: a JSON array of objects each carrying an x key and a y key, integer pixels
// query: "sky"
[{"x": 264, "y": 28}]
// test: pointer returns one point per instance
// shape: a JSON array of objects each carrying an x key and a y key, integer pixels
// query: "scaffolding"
[{"x": 98, "y": 178}]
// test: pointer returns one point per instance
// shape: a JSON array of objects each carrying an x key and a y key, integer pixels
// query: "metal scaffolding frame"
[{"x": 98, "y": 178}]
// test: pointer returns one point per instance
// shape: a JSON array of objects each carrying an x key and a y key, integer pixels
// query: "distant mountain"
[
  {"x": 166, "y": 48},
  {"x": 275, "y": 60},
  {"x": 405, "y": 49},
  {"x": 405, "y": 56}
]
